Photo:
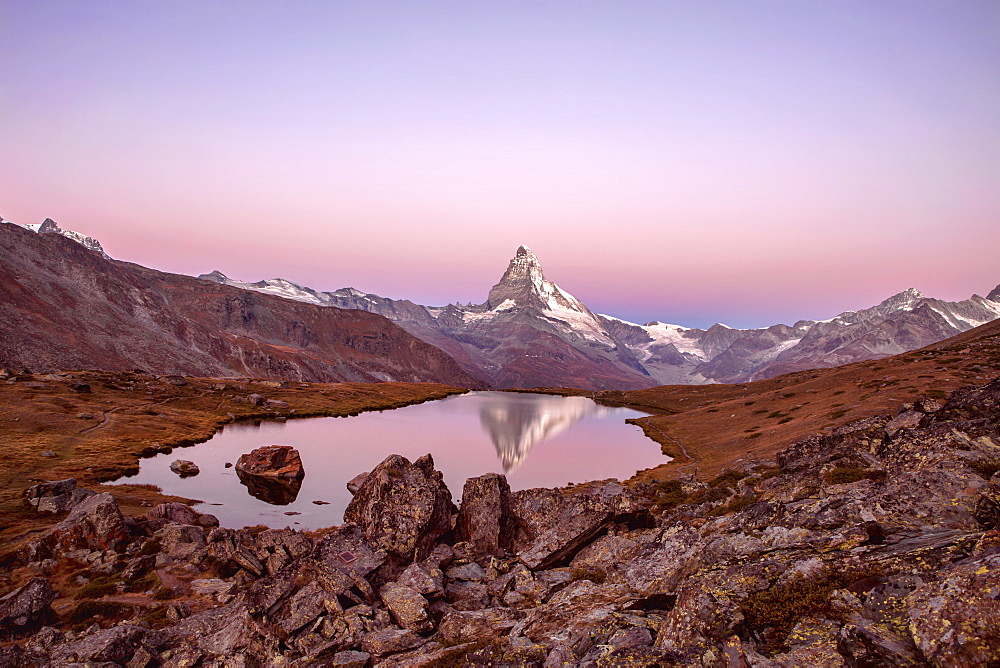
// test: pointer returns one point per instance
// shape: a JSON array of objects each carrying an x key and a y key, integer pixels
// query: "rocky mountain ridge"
[
  {"x": 530, "y": 332},
  {"x": 63, "y": 306},
  {"x": 875, "y": 545},
  {"x": 49, "y": 226}
]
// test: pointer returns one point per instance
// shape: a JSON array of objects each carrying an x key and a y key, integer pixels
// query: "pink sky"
[{"x": 743, "y": 162}]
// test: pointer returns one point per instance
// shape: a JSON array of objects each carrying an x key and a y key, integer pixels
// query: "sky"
[{"x": 747, "y": 162}]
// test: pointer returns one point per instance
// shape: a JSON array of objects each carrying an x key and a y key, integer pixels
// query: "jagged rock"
[
  {"x": 184, "y": 468},
  {"x": 116, "y": 645},
  {"x": 459, "y": 625},
  {"x": 575, "y": 608},
  {"x": 402, "y": 508},
  {"x": 867, "y": 644},
  {"x": 56, "y": 497},
  {"x": 469, "y": 571},
  {"x": 26, "y": 608},
  {"x": 349, "y": 659},
  {"x": 423, "y": 578},
  {"x": 95, "y": 523},
  {"x": 560, "y": 543},
  {"x": 988, "y": 504},
  {"x": 354, "y": 484},
  {"x": 466, "y": 595},
  {"x": 181, "y": 542},
  {"x": 389, "y": 641},
  {"x": 956, "y": 619},
  {"x": 700, "y": 618},
  {"x": 272, "y": 461},
  {"x": 408, "y": 607},
  {"x": 181, "y": 514},
  {"x": 485, "y": 518},
  {"x": 255, "y": 400}
]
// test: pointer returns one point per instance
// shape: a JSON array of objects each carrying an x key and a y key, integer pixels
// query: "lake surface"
[{"x": 537, "y": 440}]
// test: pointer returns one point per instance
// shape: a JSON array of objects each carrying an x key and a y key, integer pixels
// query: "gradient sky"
[{"x": 748, "y": 162}]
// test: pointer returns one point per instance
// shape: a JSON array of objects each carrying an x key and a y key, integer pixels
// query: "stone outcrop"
[
  {"x": 402, "y": 508},
  {"x": 26, "y": 608},
  {"x": 272, "y": 461},
  {"x": 873, "y": 546},
  {"x": 56, "y": 497}
]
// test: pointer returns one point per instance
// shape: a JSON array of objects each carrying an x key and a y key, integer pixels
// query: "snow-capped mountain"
[
  {"x": 49, "y": 226},
  {"x": 530, "y": 332}
]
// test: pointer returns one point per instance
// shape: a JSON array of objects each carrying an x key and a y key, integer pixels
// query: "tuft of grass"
[
  {"x": 729, "y": 478},
  {"x": 163, "y": 594},
  {"x": 98, "y": 588},
  {"x": 845, "y": 474},
  {"x": 734, "y": 505},
  {"x": 107, "y": 611}
]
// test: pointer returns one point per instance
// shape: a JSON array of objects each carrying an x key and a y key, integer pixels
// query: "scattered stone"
[
  {"x": 389, "y": 641},
  {"x": 184, "y": 468},
  {"x": 255, "y": 400},
  {"x": 48, "y": 453},
  {"x": 181, "y": 514},
  {"x": 321, "y": 503},
  {"x": 56, "y": 497},
  {"x": 81, "y": 388},
  {"x": 84, "y": 416}
]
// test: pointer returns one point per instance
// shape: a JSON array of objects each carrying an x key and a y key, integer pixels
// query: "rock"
[
  {"x": 956, "y": 620},
  {"x": 579, "y": 606},
  {"x": 84, "y": 416},
  {"x": 116, "y": 645},
  {"x": 47, "y": 453},
  {"x": 349, "y": 659},
  {"x": 272, "y": 473},
  {"x": 95, "y": 523},
  {"x": 408, "y": 607},
  {"x": 81, "y": 388},
  {"x": 485, "y": 518},
  {"x": 56, "y": 497},
  {"x": 182, "y": 542},
  {"x": 559, "y": 544},
  {"x": 467, "y": 595},
  {"x": 469, "y": 571},
  {"x": 181, "y": 514},
  {"x": 402, "y": 508},
  {"x": 272, "y": 461},
  {"x": 354, "y": 484},
  {"x": 389, "y": 641},
  {"x": 255, "y": 400},
  {"x": 422, "y": 578},
  {"x": 178, "y": 381},
  {"x": 26, "y": 608},
  {"x": 184, "y": 468},
  {"x": 458, "y": 626}
]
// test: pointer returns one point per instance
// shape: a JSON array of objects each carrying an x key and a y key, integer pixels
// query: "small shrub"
[
  {"x": 98, "y": 588},
  {"x": 710, "y": 495},
  {"x": 780, "y": 607},
  {"x": 669, "y": 494},
  {"x": 734, "y": 505}
]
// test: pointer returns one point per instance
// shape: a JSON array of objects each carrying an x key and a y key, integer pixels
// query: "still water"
[{"x": 537, "y": 440}]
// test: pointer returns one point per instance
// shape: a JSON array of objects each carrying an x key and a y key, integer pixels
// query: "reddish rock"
[
  {"x": 485, "y": 519},
  {"x": 272, "y": 461}
]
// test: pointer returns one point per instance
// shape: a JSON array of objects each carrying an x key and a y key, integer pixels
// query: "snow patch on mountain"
[{"x": 49, "y": 226}]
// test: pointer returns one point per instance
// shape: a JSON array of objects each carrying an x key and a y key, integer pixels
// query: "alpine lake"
[{"x": 536, "y": 440}]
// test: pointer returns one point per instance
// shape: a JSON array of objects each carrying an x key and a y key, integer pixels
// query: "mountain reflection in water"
[{"x": 516, "y": 422}]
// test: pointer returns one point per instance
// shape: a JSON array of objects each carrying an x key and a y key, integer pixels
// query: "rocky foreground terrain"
[{"x": 876, "y": 545}]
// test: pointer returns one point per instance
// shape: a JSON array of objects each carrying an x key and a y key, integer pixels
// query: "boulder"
[
  {"x": 485, "y": 518},
  {"x": 408, "y": 607},
  {"x": 181, "y": 514},
  {"x": 56, "y": 497},
  {"x": 390, "y": 641},
  {"x": 96, "y": 523},
  {"x": 402, "y": 508},
  {"x": 184, "y": 468},
  {"x": 116, "y": 645},
  {"x": 272, "y": 461},
  {"x": 26, "y": 608}
]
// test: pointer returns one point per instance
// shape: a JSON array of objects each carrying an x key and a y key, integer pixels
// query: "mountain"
[
  {"x": 49, "y": 226},
  {"x": 530, "y": 333},
  {"x": 63, "y": 306}
]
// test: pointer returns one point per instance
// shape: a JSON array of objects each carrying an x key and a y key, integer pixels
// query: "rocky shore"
[{"x": 874, "y": 546}]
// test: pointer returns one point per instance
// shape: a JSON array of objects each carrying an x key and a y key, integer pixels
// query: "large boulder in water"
[
  {"x": 402, "y": 508},
  {"x": 280, "y": 462},
  {"x": 272, "y": 473}
]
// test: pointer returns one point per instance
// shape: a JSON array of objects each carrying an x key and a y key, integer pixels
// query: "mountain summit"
[{"x": 524, "y": 285}]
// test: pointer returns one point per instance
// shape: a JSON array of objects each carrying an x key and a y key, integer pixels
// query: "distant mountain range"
[
  {"x": 528, "y": 333},
  {"x": 65, "y": 307}
]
